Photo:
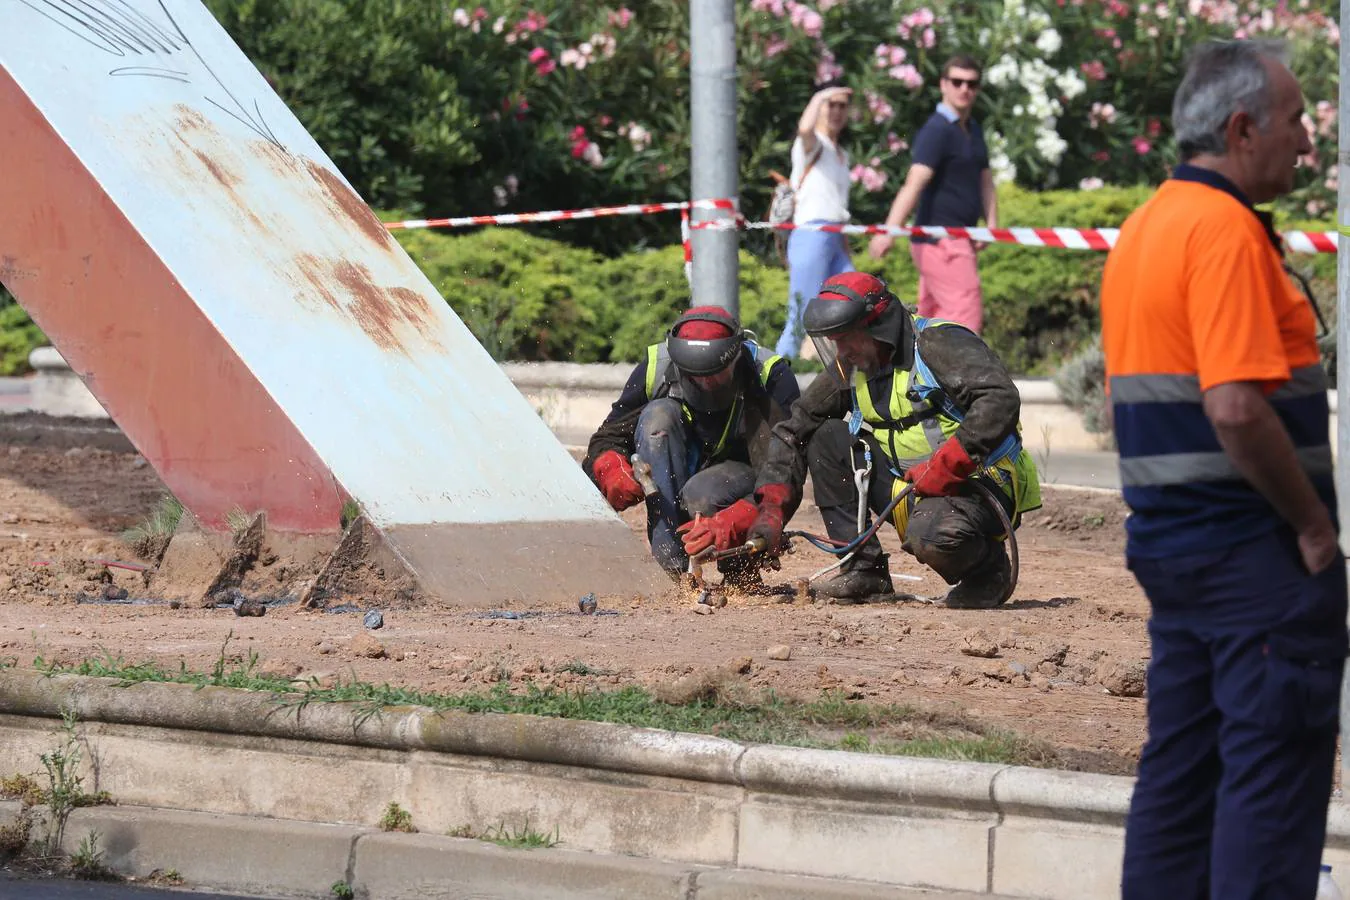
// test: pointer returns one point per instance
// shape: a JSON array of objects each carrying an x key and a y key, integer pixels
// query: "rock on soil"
[{"x": 979, "y": 643}]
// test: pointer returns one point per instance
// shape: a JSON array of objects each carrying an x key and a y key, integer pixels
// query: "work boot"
[
  {"x": 861, "y": 584},
  {"x": 985, "y": 587}
]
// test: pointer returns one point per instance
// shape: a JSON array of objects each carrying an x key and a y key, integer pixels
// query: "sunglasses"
[{"x": 972, "y": 83}]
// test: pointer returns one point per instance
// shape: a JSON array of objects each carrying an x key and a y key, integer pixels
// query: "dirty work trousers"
[
  {"x": 1243, "y": 698},
  {"x": 953, "y": 536},
  {"x": 667, "y": 442}
]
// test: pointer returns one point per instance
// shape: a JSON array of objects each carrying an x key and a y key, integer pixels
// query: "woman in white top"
[{"x": 821, "y": 183}]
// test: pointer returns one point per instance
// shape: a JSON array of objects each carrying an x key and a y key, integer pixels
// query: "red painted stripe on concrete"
[{"x": 163, "y": 372}]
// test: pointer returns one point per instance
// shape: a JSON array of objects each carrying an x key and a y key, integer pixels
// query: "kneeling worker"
[
  {"x": 924, "y": 402},
  {"x": 698, "y": 412}
]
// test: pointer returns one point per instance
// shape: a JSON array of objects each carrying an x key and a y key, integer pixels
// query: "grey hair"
[{"x": 1223, "y": 78}]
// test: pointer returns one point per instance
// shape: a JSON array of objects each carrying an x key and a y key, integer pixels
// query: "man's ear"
[{"x": 1240, "y": 128}]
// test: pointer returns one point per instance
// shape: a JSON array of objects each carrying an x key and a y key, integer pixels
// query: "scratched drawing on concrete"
[
  {"x": 120, "y": 29},
  {"x": 295, "y": 271}
]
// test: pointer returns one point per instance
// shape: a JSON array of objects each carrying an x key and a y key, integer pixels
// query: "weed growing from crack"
[
  {"x": 150, "y": 538},
  {"x": 525, "y": 838},
  {"x": 87, "y": 860},
  {"x": 396, "y": 818},
  {"x": 342, "y": 890}
]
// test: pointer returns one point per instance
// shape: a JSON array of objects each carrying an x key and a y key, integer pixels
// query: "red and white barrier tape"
[
  {"x": 688, "y": 246},
  {"x": 1063, "y": 238},
  {"x": 563, "y": 215}
]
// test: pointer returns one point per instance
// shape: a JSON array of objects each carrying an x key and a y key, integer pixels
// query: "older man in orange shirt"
[{"x": 1220, "y": 411}]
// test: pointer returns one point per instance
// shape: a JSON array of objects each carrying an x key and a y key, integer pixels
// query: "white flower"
[
  {"x": 499, "y": 195},
  {"x": 460, "y": 18},
  {"x": 1050, "y": 145},
  {"x": 1019, "y": 110},
  {"x": 639, "y": 137},
  {"x": 1070, "y": 84},
  {"x": 593, "y": 155},
  {"x": 1049, "y": 42},
  {"x": 1090, "y": 184},
  {"x": 1038, "y": 19},
  {"x": 1002, "y": 72},
  {"x": 498, "y": 25}
]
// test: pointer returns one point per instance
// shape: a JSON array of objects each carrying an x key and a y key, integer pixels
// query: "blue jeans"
[
  {"x": 666, "y": 442},
  {"x": 1243, "y": 703},
  {"x": 812, "y": 257}
]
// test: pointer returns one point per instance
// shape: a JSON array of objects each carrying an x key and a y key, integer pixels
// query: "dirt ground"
[{"x": 1061, "y": 662}]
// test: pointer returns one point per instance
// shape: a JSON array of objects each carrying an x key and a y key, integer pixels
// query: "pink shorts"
[{"x": 949, "y": 282}]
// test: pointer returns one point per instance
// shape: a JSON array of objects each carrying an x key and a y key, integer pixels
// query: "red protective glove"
[
  {"x": 614, "y": 475},
  {"x": 768, "y": 525},
  {"x": 944, "y": 472},
  {"x": 725, "y": 530}
]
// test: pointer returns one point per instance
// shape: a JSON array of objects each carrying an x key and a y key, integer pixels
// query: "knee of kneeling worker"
[
  {"x": 951, "y": 560},
  {"x": 660, "y": 417}
]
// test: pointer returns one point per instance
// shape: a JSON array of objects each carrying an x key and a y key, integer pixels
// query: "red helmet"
[
  {"x": 853, "y": 301},
  {"x": 705, "y": 340}
]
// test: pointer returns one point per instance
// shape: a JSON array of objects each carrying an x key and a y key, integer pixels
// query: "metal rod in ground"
[
  {"x": 1343, "y": 334},
  {"x": 713, "y": 163}
]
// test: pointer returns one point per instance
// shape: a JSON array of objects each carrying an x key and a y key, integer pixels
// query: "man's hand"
[
  {"x": 944, "y": 472},
  {"x": 880, "y": 245},
  {"x": 768, "y": 525},
  {"x": 722, "y": 531},
  {"x": 614, "y": 476},
  {"x": 1319, "y": 547}
]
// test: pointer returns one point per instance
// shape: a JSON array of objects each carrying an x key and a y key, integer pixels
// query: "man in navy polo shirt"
[{"x": 950, "y": 184}]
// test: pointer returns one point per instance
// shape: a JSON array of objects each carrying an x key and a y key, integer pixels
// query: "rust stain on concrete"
[{"x": 343, "y": 200}]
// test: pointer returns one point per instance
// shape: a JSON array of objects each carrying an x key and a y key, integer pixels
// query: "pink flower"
[
  {"x": 872, "y": 179},
  {"x": 812, "y": 24},
  {"x": 1096, "y": 70},
  {"x": 1101, "y": 156},
  {"x": 579, "y": 133},
  {"x": 578, "y": 148},
  {"x": 1154, "y": 128},
  {"x": 775, "y": 45},
  {"x": 827, "y": 69},
  {"x": 895, "y": 144},
  {"x": 909, "y": 75},
  {"x": 572, "y": 57},
  {"x": 546, "y": 67},
  {"x": 606, "y": 121},
  {"x": 1326, "y": 118},
  {"x": 929, "y": 38},
  {"x": 1141, "y": 145},
  {"x": 827, "y": 5},
  {"x": 881, "y": 110},
  {"x": 622, "y": 18},
  {"x": 1101, "y": 114},
  {"x": 538, "y": 55}
]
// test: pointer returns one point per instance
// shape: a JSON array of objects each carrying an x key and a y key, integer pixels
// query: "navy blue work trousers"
[
  {"x": 1243, "y": 704},
  {"x": 668, "y": 443}
]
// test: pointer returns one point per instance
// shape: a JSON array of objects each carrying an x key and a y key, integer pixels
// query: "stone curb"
[
  {"x": 302, "y": 860},
  {"x": 569, "y": 742}
]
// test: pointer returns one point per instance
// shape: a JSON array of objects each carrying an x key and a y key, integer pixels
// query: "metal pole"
[
  {"x": 1343, "y": 341},
  {"x": 713, "y": 163}
]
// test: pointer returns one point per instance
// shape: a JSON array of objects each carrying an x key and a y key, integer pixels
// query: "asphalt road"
[{"x": 61, "y": 889}]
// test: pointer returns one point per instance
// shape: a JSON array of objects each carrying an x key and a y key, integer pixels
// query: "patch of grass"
[
  {"x": 158, "y": 527},
  {"x": 238, "y": 520},
  {"x": 462, "y": 831},
  {"x": 524, "y": 838},
  {"x": 396, "y": 818},
  {"x": 577, "y": 667},
  {"x": 23, "y": 788},
  {"x": 87, "y": 861},
  {"x": 831, "y": 721},
  {"x": 342, "y": 890},
  {"x": 350, "y": 510},
  {"x": 17, "y": 835},
  {"x": 164, "y": 878}
]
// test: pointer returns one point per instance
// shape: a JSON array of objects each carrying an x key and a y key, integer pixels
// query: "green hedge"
[{"x": 18, "y": 336}]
